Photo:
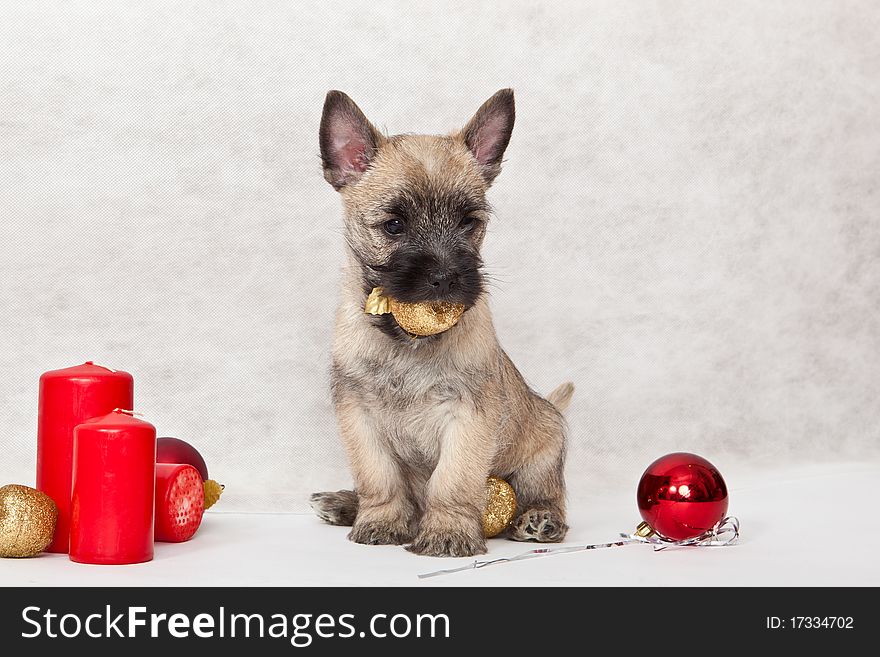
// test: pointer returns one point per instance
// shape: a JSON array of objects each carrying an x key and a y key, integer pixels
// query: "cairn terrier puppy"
[{"x": 425, "y": 420}]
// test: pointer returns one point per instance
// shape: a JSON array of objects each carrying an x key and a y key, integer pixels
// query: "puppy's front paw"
[
  {"x": 538, "y": 525},
  {"x": 453, "y": 543},
  {"x": 378, "y": 532}
]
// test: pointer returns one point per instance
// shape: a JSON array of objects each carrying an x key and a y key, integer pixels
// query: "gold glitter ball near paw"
[
  {"x": 27, "y": 521},
  {"x": 500, "y": 506}
]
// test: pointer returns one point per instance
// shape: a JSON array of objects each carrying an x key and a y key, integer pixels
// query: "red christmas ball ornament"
[
  {"x": 175, "y": 450},
  {"x": 681, "y": 496}
]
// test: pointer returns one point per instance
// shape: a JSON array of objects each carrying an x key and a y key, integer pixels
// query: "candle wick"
[{"x": 127, "y": 412}]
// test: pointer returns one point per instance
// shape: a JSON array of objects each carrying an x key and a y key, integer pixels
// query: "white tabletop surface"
[{"x": 803, "y": 525}]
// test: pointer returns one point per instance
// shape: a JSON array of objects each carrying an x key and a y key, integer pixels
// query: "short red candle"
[
  {"x": 67, "y": 398},
  {"x": 114, "y": 477}
]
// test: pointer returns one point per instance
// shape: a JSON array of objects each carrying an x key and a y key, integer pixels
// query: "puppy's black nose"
[{"x": 442, "y": 282}]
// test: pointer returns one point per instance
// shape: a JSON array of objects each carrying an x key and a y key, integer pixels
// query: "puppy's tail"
[
  {"x": 337, "y": 508},
  {"x": 561, "y": 396}
]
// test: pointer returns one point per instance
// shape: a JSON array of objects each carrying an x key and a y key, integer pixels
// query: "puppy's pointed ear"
[
  {"x": 348, "y": 140},
  {"x": 488, "y": 132}
]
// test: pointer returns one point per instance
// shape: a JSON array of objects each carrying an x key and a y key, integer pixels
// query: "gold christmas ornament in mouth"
[{"x": 420, "y": 319}]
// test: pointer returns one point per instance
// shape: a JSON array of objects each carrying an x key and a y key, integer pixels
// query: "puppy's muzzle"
[{"x": 415, "y": 276}]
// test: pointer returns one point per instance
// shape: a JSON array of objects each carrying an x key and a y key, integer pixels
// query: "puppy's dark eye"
[
  {"x": 468, "y": 222},
  {"x": 394, "y": 226}
]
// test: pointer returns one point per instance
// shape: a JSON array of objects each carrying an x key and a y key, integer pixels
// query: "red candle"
[
  {"x": 114, "y": 477},
  {"x": 67, "y": 398}
]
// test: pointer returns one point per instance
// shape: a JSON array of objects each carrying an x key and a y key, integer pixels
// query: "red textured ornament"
[
  {"x": 180, "y": 502},
  {"x": 681, "y": 495}
]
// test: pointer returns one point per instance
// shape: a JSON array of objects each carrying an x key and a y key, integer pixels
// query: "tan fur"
[
  {"x": 425, "y": 422},
  {"x": 430, "y": 162}
]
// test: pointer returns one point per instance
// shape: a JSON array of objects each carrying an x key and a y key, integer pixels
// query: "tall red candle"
[
  {"x": 114, "y": 478},
  {"x": 67, "y": 398}
]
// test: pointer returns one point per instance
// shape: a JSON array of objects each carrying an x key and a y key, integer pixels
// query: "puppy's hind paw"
[
  {"x": 538, "y": 525},
  {"x": 337, "y": 508}
]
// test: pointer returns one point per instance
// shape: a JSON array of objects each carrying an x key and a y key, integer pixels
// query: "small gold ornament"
[
  {"x": 27, "y": 521},
  {"x": 421, "y": 319},
  {"x": 213, "y": 490},
  {"x": 500, "y": 506}
]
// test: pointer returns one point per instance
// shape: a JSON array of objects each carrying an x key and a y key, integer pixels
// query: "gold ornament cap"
[
  {"x": 644, "y": 530},
  {"x": 27, "y": 521},
  {"x": 419, "y": 319},
  {"x": 377, "y": 303},
  {"x": 500, "y": 506}
]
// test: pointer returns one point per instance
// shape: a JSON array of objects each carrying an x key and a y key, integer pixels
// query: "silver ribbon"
[{"x": 725, "y": 532}]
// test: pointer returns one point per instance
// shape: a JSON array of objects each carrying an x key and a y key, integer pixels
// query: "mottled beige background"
[{"x": 687, "y": 223}]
